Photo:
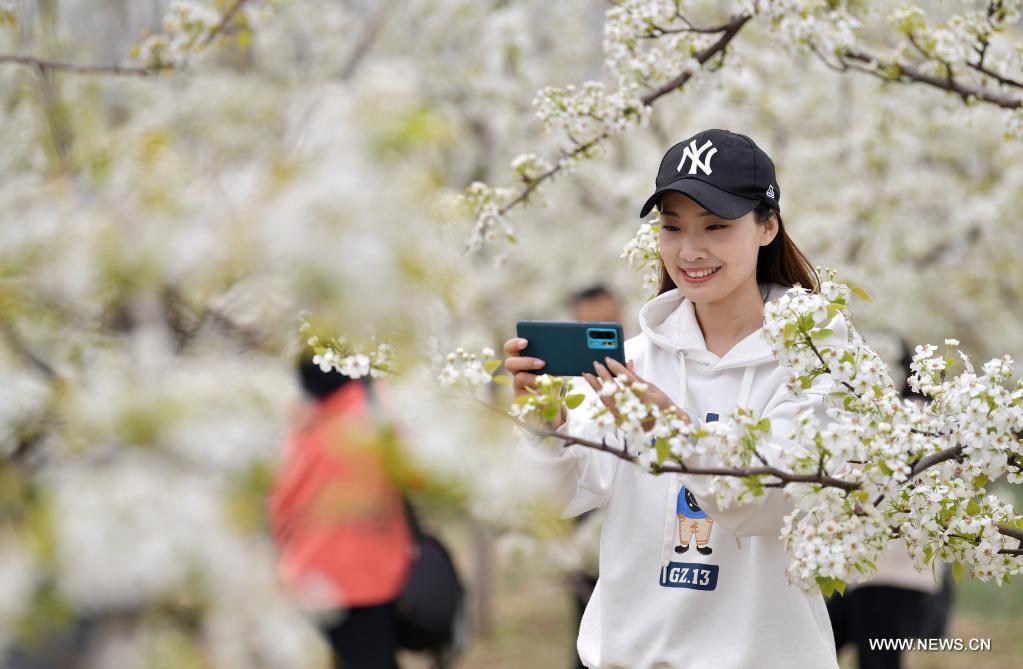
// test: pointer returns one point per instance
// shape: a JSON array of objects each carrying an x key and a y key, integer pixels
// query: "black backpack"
[{"x": 430, "y": 611}]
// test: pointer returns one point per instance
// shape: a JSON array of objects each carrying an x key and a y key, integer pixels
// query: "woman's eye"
[
  {"x": 716, "y": 226},
  {"x": 669, "y": 228}
]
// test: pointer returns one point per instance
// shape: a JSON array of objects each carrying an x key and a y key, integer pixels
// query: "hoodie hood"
[{"x": 669, "y": 322}]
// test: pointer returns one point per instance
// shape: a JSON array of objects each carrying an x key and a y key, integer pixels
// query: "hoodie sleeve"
[
  {"x": 583, "y": 478},
  {"x": 763, "y": 515}
]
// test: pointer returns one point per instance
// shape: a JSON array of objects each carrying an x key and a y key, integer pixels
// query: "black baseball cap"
[{"x": 724, "y": 171}]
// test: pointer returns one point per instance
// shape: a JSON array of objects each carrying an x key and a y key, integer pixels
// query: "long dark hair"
[{"x": 781, "y": 261}]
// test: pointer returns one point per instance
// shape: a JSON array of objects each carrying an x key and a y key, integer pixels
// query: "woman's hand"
[
  {"x": 521, "y": 379},
  {"x": 652, "y": 394}
]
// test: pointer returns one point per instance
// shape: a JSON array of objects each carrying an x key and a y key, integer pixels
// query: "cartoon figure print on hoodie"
[
  {"x": 660, "y": 601},
  {"x": 693, "y": 522}
]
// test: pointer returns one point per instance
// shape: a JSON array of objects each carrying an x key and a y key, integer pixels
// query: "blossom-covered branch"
[
  {"x": 882, "y": 467},
  {"x": 189, "y": 27},
  {"x": 941, "y": 56},
  {"x": 652, "y": 48},
  {"x": 588, "y": 116}
]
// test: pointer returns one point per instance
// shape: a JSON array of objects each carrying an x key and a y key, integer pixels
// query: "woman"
[{"x": 683, "y": 583}]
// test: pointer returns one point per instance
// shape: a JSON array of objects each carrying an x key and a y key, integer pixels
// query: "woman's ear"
[{"x": 769, "y": 230}]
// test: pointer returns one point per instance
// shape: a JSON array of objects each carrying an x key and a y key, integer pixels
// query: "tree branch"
[
  {"x": 18, "y": 344},
  {"x": 366, "y": 39},
  {"x": 951, "y": 453},
  {"x": 731, "y": 29},
  {"x": 224, "y": 21},
  {"x": 784, "y": 477},
  {"x": 908, "y": 73},
  {"x": 44, "y": 66}
]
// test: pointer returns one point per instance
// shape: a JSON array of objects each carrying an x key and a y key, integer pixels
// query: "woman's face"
[{"x": 693, "y": 240}]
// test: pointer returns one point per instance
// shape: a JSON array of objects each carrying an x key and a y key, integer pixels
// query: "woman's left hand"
[{"x": 652, "y": 394}]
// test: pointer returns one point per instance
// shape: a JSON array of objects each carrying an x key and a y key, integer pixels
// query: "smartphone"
[{"x": 570, "y": 347}]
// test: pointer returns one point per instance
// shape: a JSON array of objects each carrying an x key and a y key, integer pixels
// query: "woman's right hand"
[{"x": 522, "y": 379}]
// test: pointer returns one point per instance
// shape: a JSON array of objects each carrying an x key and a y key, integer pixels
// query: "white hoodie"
[{"x": 731, "y": 607}]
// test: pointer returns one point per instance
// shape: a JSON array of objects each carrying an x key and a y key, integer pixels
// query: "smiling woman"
[{"x": 699, "y": 569}]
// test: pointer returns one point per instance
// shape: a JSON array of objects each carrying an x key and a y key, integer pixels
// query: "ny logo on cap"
[
  {"x": 770, "y": 191},
  {"x": 694, "y": 154}
]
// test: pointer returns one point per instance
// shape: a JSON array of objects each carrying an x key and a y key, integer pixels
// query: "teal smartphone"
[{"x": 570, "y": 347}]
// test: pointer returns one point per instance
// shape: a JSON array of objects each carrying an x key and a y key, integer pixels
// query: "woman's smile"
[{"x": 701, "y": 275}]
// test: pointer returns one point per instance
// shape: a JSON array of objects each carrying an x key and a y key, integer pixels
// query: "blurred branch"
[
  {"x": 15, "y": 341},
  {"x": 25, "y": 443},
  {"x": 177, "y": 305},
  {"x": 224, "y": 21},
  {"x": 45, "y": 66},
  {"x": 369, "y": 34}
]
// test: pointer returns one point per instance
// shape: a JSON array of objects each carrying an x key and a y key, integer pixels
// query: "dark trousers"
[
  {"x": 366, "y": 638},
  {"x": 581, "y": 586},
  {"x": 879, "y": 612}
]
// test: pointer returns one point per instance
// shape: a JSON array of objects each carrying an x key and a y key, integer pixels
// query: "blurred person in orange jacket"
[{"x": 344, "y": 536}]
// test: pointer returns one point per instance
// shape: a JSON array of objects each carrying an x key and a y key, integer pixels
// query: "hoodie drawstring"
[
  {"x": 746, "y": 387},
  {"x": 681, "y": 378}
]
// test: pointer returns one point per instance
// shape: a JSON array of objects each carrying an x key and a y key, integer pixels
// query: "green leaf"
[
  {"x": 839, "y": 585},
  {"x": 764, "y": 425},
  {"x": 754, "y": 485},
  {"x": 972, "y": 507},
  {"x": 550, "y": 413},
  {"x": 979, "y": 481},
  {"x": 491, "y": 365},
  {"x": 790, "y": 330},
  {"x": 957, "y": 570},
  {"x": 860, "y": 293},
  {"x": 826, "y": 585},
  {"x": 663, "y": 450},
  {"x": 572, "y": 401},
  {"x": 503, "y": 380},
  {"x": 823, "y": 333}
]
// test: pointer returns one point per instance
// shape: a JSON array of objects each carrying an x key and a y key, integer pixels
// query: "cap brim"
[{"x": 718, "y": 202}]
